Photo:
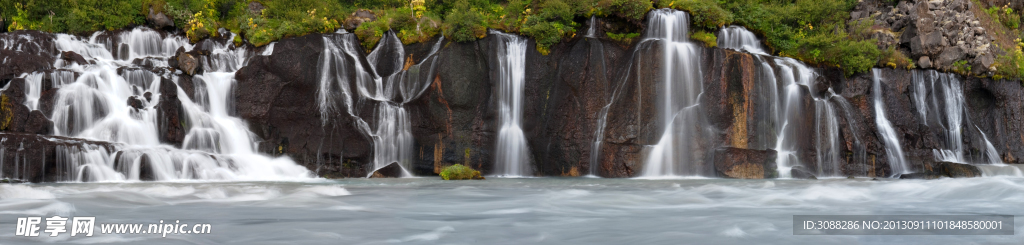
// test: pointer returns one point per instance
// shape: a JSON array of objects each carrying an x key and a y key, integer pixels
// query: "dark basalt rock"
[
  {"x": 41, "y": 157},
  {"x": 159, "y": 20},
  {"x": 276, "y": 95},
  {"x": 564, "y": 95},
  {"x": 187, "y": 62},
  {"x": 38, "y": 124},
  {"x": 957, "y": 170},
  {"x": 69, "y": 56},
  {"x": 24, "y": 52},
  {"x": 392, "y": 170},
  {"x": 745, "y": 163},
  {"x": 455, "y": 120},
  {"x": 921, "y": 175},
  {"x": 170, "y": 115},
  {"x": 135, "y": 102},
  {"x": 146, "y": 169},
  {"x": 801, "y": 172}
]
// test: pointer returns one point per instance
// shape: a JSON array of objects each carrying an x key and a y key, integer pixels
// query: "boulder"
[
  {"x": 921, "y": 175},
  {"x": 255, "y": 8},
  {"x": 983, "y": 64},
  {"x": 957, "y": 170},
  {"x": 926, "y": 44},
  {"x": 170, "y": 115},
  {"x": 159, "y": 20},
  {"x": 949, "y": 56},
  {"x": 801, "y": 172},
  {"x": 187, "y": 62},
  {"x": 392, "y": 170},
  {"x": 357, "y": 18},
  {"x": 745, "y": 163},
  {"x": 146, "y": 169},
  {"x": 135, "y": 102},
  {"x": 70, "y": 56},
  {"x": 924, "y": 62}
]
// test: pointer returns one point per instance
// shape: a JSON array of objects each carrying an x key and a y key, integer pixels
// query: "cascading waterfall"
[
  {"x": 512, "y": 153},
  {"x": 90, "y": 104},
  {"x": 592, "y": 27},
  {"x": 783, "y": 89},
  {"x": 940, "y": 96},
  {"x": 887, "y": 134},
  {"x": 680, "y": 112},
  {"x": 739, "y": 38},
  {"x": 390, "y": 127}
]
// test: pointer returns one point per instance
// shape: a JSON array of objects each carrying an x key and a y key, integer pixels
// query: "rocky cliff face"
[
  {"x": 935, "y": 34},
  {"x": 591, "y": 106}
]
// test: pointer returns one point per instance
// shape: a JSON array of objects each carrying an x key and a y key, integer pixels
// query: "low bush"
[{"x": 459, "y": 172}]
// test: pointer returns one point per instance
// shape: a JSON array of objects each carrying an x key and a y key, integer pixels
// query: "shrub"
[
  {"x": 705, "y": 14},
  {"x": 459, "y": 172},
  {"x": 464, "y": 24},
  {"x": 623, "y": 38},
  {"x": 1005, "y": 16},
  {"x": 895, "y": 59},
  {"x": 709, "y": 39}
]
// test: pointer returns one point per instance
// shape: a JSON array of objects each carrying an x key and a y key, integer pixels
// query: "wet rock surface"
[
  {"x": 37, "y": 158},
  {"x": 392, "y": 170},
  {"x": 745, "y": 163},
  {"x": 276, "y": 95}
]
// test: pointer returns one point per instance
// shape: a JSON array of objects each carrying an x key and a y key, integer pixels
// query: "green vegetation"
[
  {"x": 1005, "y": 16},
  {"x": 459, "y": 172},
  {"x": 813, "y": 31},
  {"x": 1003, "y": 23},
  {"x": 709, "y": 39},
  {"x": 623, "y": 38},
  {"x": 895, "y": 59}
]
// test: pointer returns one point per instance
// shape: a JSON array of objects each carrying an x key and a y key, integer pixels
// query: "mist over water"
[{"x": 510, "y": 211}]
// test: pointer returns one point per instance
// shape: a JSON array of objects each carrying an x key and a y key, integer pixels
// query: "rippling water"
[{"x": 506, "y": 211}]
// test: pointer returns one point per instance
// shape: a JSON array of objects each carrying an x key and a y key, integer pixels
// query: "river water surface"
[{"x": 506, "y": 211}]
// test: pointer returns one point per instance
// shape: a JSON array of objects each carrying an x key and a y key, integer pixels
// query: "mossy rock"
[{"x": 459, "y": 172}]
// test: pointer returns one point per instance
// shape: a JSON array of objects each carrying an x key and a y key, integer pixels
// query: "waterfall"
[
  {"x": 512, "y": 155},
  {"x": 886, "y": 133},
  {"x": 90, "y": 104},
  {"x": 941, "y": 95},
  {"x": 342, "y": 67},
  {"x": 592, "y": 28},
  {"x": 681, "y": 116},
  {"x": 740, "y": 39}
]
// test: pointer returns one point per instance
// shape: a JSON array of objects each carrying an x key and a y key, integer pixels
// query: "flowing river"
[{"x": 506, "y": 211}]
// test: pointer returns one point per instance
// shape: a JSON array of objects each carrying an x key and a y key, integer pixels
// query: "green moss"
[
  {"x": 622, "y": 38},
  {"x": 705, "y": 14},
  {"x": 7, "y": 111},
  {"x": 709, "y": 39},
  {"x": 459, "y": 172},
  {"x": 895, "y": 59}
]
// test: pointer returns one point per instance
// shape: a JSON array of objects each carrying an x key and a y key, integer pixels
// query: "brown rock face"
[
  {"x": 957, "y": 170},
  {"x": 454, "y": 120},
  {"x": 745, "y": 163}
]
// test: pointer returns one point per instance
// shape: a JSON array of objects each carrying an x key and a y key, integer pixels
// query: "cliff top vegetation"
[{"x": 813, "y": 31}]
